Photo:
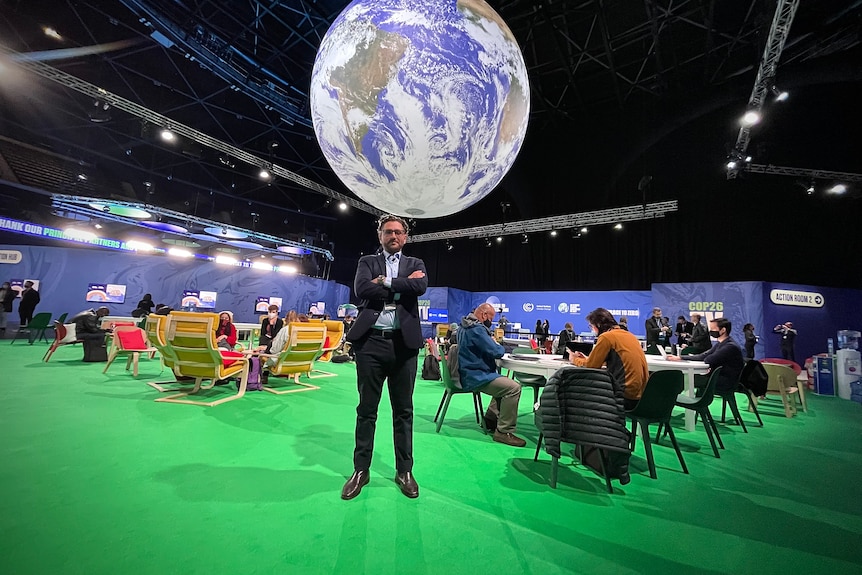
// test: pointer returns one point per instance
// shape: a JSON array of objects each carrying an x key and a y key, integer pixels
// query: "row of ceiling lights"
[{"x": 525, "y": 238}]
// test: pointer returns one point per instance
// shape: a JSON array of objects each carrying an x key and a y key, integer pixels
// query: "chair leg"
[
  {"x": 678, "y": 452},
  {"x": 634, "y": 436},
  {"x": 723, "y": 407},
  {"x": 111, "y": 359},
  {"x": 602, "y": 456},
  {"x": 648, "y": 449},
  {"x": 555, "y": 466},
  {"x": 752, "y": 403},
  {"x": 658, "y": 432},
  {"x": 705, "y": 418},
  {"x": 445, "y": 408},
  {"x": 536, "y": 395},
  {"x": 442, "y": 401},
  {"x": 539, "y": 446},
  {"x": 715, "y": 429},
  {"x": 734, "y": 408},
  {"x": 801, "y": 393}
]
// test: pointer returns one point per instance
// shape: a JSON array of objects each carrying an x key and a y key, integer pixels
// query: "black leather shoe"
[
  {"x": 407, "y": 484},
  {"x": 354, "y": 485}
]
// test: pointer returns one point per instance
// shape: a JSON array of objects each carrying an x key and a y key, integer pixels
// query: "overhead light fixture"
[
  {"x": 499, "y": 239},
  {"x": 100, "y": 113},
  {"x": 139, "y": 246},
  {"x": 449, "y": 246},
  {"x": 553, "y": 233},
  {"x": 525, "y": 239},
  {"x": 488, "y": 242},
  {"x": 751, "y": 118},
  {"x": 262, "y": 266},
  {"x": 179, "y": 253},
  {"x": 618, "y": 226},
  {"x": 342, "y": 206},
  {"x": 780, "y": 95},
  {"x": 51, "y": 33},
  {"x": 82, "y": 177},
  {"x": 264, "y": 174},
  {"x": 97, "y": 225},
  {"x": 79, "y": 234},
  {"x": 167, "y": 135},
  {"x": 731, "y": 165},
  {"x": 838, "y": 189},
  {"x": 584, "y": 230},
  {"x": 287, "y": 269},
  {"x": 226, "y": 260},
  {"x": 810, "y": 190}
]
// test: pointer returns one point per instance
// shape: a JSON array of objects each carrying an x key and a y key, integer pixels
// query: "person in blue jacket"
[{"x": 477, "y": 352}]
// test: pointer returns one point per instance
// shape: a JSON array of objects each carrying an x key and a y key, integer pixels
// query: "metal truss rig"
[
  {"x": 85, "y": 206},
  {"x": 803, "y": 172},
  {"x": 190, "y": 133},
  {"x": 609, "y": 216},
  {"x": 778, "y": 33}
]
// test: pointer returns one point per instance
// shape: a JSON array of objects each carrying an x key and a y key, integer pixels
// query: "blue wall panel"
[{"x": 66, "y": 272}]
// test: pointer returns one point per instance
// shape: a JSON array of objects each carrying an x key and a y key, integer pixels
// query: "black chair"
[
  {"x": 656, "y": 406},
  {"x": 580, "y": 406},
  {"x": 752, "y": 383},
  {"x": 453, "y": 387},
  {"x": 700, "y": 405}
]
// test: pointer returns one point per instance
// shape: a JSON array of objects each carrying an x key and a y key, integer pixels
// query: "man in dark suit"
[
  {"x": 699, "y": 340},
  {"x": 386, "y": 337},
  {"x": 657, "y": 331}
]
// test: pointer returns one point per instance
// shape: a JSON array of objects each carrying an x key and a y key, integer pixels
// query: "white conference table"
[
  {"x": 245, "y": 331},
  {"x": 547, "y": 365}
]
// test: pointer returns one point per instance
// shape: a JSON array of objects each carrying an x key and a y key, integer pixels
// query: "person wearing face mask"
[
  {"x": 225, "y": 331},
  {"x": 269, "y": 328},
  {"x": 477, "y": 368},
  {"x": 725, "y": 354},
  {"x": 620, "y": 351}
]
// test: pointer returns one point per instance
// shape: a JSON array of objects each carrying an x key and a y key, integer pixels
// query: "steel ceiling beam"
[
  {"x": 84, "y": 87},
  {"x": 803, "y": 172},
  {"x": 765, "y": 79},
  {"x": 564, "y": 222}
]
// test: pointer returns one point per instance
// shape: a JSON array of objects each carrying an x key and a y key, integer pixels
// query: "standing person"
[
  {"x": 750, "y": 340},
  {"x": 656, "y": 330},
  {"x": 546, "y": 332},
  {"x": 540, "y": 334},
  {"x": 269, "y": 328},
  {"x": 29, "y": 300},
  {"x": 7, "y": 296},
  {"x": 620, "y": 351},
  {"x": 700, "y": 341},
  {"x": 225, "y": 331},
  {"x": 565, "y": 336},
  {"x": 788, "y": 338},
  {"x": 683, "y": 331},
  {"x": 477, "y": 370},
  {"x": 386, "y": 337}
]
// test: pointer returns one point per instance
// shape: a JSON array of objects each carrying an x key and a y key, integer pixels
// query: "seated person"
[
  {"x": 565, "y": 336},
  {"x": 162, "y": 309},
  {"x": 269, "y": 328},
  {"x": 87, "y": 323},
  {"x": 225, "y": 331},
  {"x": 620, "y": 350},
  {"x": 477, "y": 370},
  {"x": 726, "y": 354}
]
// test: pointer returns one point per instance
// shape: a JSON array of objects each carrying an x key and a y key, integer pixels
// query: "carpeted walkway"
[{"x": 96, "y": 478}]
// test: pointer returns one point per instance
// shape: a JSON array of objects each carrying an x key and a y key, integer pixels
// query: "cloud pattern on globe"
[{"x": 419, "y": 106}]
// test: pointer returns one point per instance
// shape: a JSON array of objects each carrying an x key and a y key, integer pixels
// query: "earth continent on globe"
[{"x": 420, "y": 106}]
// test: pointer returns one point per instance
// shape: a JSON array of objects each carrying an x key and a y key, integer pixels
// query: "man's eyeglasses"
[{"x": 393, "y": 232}]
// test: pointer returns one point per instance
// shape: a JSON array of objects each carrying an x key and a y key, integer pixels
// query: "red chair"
[
  {"x": 62, "y": 336},
  {"x": 130, "y": 341}
]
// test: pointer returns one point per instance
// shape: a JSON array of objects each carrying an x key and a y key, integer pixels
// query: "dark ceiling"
[{"x": 631, "y": 101}]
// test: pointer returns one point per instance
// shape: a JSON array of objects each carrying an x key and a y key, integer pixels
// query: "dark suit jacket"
[
  {"x": 700, "y": 338},
  {"x": 374, "y": 297},
  {"x": 653, "y": 330}
]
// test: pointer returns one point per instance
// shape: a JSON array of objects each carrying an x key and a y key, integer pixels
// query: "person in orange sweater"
[{"x": 620, "y": 351}]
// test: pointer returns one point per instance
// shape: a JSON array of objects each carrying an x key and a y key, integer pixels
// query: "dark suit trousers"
[{"x": 379, "y": 359}]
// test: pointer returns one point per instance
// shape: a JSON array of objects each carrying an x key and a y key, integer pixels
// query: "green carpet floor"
[{"x": 97, "y": 478}]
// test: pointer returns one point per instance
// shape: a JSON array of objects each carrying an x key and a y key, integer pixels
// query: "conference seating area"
[{"x": 90, "y": 450}]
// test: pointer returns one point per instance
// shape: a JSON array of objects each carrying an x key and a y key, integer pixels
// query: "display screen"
[
  {"x": 263, "y": 302},
  {"x": 317, "y": 308},
  {"x": 18, "y": 285},
  {"x": 436, "y": 315},
  {"x": 106, "y": 293},
  {"x": 194, "y": 299}
]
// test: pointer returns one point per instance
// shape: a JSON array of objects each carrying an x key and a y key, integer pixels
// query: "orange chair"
[{"x": 130, "y": 341}]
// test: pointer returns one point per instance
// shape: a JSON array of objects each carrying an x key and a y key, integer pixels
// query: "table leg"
[{"x": 689, "y": 389}]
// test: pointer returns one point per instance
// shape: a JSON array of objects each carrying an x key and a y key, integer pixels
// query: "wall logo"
[
  {"x": 528, "y": 307},
  {"x": 563, "y": 308}
]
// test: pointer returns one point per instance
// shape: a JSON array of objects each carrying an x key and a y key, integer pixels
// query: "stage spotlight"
[
  {"x": 342, "y": 206},
  {"x": 167, "y": 135},
  {"x": 553, "y": 233},
  {"x": 584, "y": 230},
  {"x": 780, "y": 95},
  {"x": 618, "y": 226},
  {"x": 499, "y": 239},
  {"x": 525, "y": 239},
  {"x": 449, "y": 246},
  {"x": 488, "y": 242},
  {"x": 264, "y": 175},
  {"x": 810, "y": 190},
  {"x": 838, "y": 189},
  {"x": 751, "y": 118},
  {"x": 51, "y": 33}
]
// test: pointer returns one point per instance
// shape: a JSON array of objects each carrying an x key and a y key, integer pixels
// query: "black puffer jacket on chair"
[{"x": 584, "y": 406}]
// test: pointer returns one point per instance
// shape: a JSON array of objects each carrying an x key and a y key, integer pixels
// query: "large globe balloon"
[{"x": 420, "y": 106}]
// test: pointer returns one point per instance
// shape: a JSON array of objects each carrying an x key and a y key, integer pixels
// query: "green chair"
[
  {"x": 700, "y": 405},
  {"x": 36, "y": 328},
  {"x": 453, "y": 388},
  {"x": 656, "y": 406}
]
